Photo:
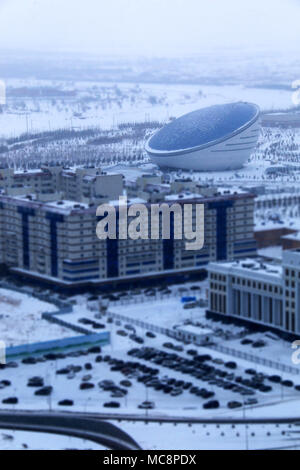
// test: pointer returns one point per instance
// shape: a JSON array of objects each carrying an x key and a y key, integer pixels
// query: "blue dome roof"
[{"x": 203, "y": 127}]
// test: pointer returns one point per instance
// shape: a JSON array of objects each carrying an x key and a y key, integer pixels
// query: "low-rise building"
[{"x": 258, "y": 294}]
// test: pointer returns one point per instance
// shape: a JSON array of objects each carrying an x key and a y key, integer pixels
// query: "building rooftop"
[
  {"x": 203, "y": 127},
  {"x": 195, "y": 330},
  {"x": 249, "y": 267}
]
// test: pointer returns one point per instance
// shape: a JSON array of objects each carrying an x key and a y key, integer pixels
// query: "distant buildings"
[
  {"x": 257, "y": 293},
  {"x": 50, "y": 183},
  {"x": 279, "y": 228},
  {"x": 48, "y": 227}
]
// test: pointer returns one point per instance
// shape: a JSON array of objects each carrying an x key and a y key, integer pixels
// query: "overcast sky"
[{"x": 149, "y": 27}]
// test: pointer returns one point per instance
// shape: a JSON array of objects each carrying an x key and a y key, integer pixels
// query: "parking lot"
[{"x": 141, "y": 371}]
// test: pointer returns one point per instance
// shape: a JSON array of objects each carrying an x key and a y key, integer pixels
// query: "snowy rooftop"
[
  {"x": 250, "y": 268},
  {"x": 195, "y": 330}
]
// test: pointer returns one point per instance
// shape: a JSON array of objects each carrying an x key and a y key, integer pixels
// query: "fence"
[
  {"x": 39, "y": 295},
  {"x": 83, "y": 340},
  {"x": 148, "y": 326},
  {"x": 217, "y": 347},
  {"x": 86, "y": 337},
  {"x": 256, "y": 359},
  {"x": 141, "y": 298}
]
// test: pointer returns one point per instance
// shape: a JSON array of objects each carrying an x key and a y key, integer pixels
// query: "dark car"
[
  {"x": 85, "y": 321},
  {"x": 137, "y": 339},
  {"x": 265, "y": 388},
  {"x": 274, "y": 378},
  {"x": 10, "y": 401},
  {"x": 86, "y": 385},
  {"x": 231, "y": 365},
  {"x": 63, "y": 371},
  {"x": 149, "y": 334},
  {"x": 211, "y": 404},
  {"x": 5, "y": 383},
  {"x": 112, "y": 404},
  {"x": 258, "y": 344},
  {"x": 29, "y": 360},
  {"x": 12, "y": 364},
  {"x": 234, "y": 404},
  {"x": 246, "y": 341},
  {"x": 35, "y": 382},
  {"x": 125, "y": 383},
  {"x": 94, "y": 349},
  {"x": 44, "y": 391},
  {"x": 287, "y": 383},
  {"x": 66, "y": 402}
]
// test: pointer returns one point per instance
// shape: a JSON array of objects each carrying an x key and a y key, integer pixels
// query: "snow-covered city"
[{"x": 173, "y": 325}]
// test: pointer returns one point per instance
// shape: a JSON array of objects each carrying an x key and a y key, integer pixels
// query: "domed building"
[{"x": 216, "y": 138}]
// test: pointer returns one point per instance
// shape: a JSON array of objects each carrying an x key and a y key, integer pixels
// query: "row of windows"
[
  {"x": 218, "y": 277},
  {"x": 257, "y": 285}
]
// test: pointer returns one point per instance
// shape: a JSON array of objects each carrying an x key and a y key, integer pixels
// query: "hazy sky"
[{"x": 154, "y": 27}]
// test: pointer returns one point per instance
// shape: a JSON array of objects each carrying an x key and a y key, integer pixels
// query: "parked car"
[
  {"x": 234, "y": 404},
  {"x": 126, "y": 383},
  {"x": 147, "y": 405},
  {"x": 29, "y": 360},
  {"x": 44, "y": 391},
  {"x": 217, "y": 360},
  {"x": 66, "y": 402},
  {"x": 149, "y": 334},
  {"x": 11, "y": 364},
  {"x": 86, "y": 385},
  {"x": 231, "y": 365},
  {"x": 246, "y": 341},
  {"x": 211, "y": 404},
  {"x": 35, "y": 382},
  {"x": 287, "y": 383},
  {"x": 95, "y": 349},
  {"x": 86, "y": 378},
  {"x": 122, "y": 333},
  {"x": 251, "y": 401},
  {"x": 112, "y": 404},
  {"x": 274, "y": 378},
  {"x": 10, "y": 401}
]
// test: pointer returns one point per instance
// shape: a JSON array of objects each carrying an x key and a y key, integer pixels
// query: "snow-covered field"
[
  {"x": 106, "y": 105},
  {"x": 25, "y": 440},
  {"x": 153, "y": 436},
  {"x": 21, "y": 322}
]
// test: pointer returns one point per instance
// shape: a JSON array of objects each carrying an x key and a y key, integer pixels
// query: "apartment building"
[
  {"x": 75, "y": 184},
  {"x": 54, "y": 239}
]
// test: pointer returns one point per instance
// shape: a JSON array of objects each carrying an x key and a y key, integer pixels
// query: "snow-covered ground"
[
  {"x": 280, "y": 401},
  {"x": 21, "y": 322},
  {"x": 25, "y": 440},
  {"x": 153, "y": 436},
  {"x": 104, "y": 104}
]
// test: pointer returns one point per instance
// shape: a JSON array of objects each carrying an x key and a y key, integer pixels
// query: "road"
[{"x": 69, "y": 424}]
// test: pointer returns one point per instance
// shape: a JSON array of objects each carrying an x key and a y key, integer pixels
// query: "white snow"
[
  {"x": 21, "y": 322},
  {"x": 25, "y": 440}
]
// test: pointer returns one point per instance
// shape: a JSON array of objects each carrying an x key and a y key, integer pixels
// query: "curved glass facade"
[{"x": 203, "y": 126}]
